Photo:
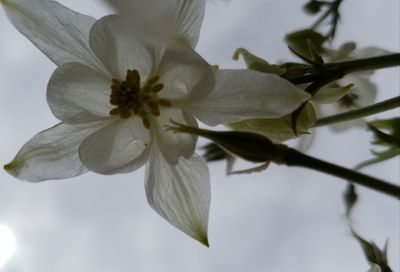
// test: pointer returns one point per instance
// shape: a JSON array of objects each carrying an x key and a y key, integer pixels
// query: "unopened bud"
[
  {"x": 249, "y": 146},
  {"x": 313, "y": 7}
]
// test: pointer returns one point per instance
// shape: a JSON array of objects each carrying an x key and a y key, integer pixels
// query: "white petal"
[
  {"x": 79, "y": 94},
  {"x": 174, "y": 145},
  {"x": 119, "y": 49},
  {"x": 52, "y": 153},
  {"x": 375, "y": 268},
  {"x": 180, "y": 193},
  {"x": 118, "y": 148},
  {"x": 189, "y": 18},
  {"x": 59, "y": 32},
  {"x": 175, "y": 19},
  {"x": 369, "y": 52},
  {"x": 245, "y": 94},
  {"x": 364, "y": 91},
  {"x": 363, "y": 87},
  {"x": 185, "y": 74}
]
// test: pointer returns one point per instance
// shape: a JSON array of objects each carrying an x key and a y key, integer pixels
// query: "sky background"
[{"x": 282, "y": 220}]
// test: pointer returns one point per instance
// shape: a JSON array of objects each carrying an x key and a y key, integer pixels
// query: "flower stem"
[
  {"x": 333, "y": 10},
  {"x": 336, "y": 70},
  {"x": 359, "y": 113},
  {"x": 257, "y": 148},
  {"x": 296, "y": 158},
  {"x": 373, "y": 63}
]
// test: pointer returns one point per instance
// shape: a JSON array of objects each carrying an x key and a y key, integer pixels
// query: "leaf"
[
  {"x": 374, "y": 255},
  {"x": 298, "y": 41}
]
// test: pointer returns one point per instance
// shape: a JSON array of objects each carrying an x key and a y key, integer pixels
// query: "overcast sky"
[{"x": 282, "y": 220}]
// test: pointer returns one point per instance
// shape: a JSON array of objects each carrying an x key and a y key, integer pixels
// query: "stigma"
[
  {"x": 349, "y": 100},
  {"x": 130, "y": 98}
]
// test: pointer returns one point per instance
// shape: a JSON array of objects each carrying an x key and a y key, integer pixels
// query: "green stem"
[
  {"x": 334, "y": 10},
  {"x": 257, "y": 148},
  {"x": 337, "y": 70},
  {"x": 359, "y": 113},
  {"x": 373, "y": 63},
  {"x": 322, "y": 18},
  {"x": 296, "y": 158}
]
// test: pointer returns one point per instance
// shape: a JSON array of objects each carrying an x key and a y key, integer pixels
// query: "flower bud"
[
  {"x": 313, "y": 7},
  {"x": 300, "y": 40},
  {"x": 249, "y": 146}
]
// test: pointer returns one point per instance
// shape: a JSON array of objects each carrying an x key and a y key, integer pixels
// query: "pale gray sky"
[{"x": 282, "y": 220}]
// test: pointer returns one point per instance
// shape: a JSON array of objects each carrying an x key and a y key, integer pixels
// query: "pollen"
[{"x": 130, "y": 98}]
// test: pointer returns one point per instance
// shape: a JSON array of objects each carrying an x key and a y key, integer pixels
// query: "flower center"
[
  {"x": 130, "y": 98},
  {"x": 349, "y": 100}
]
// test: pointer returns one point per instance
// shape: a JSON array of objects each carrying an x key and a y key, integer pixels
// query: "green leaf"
[
  {"x": 384, "y": 138},
  {"x": 367, "y": 247},
  {"x": 374, "y": 255},
  {"x": 381, "y": 157},
  {"x": 298, "y": 41}
]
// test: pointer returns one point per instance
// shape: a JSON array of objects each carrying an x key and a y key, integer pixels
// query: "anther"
[
  {"x": 154, "y": 108},
  {"x": 115, "y": 111},
  {"x": 131, "y": 98},
  {"x": 152, "y": 80},
  {"x": 146, "y": 122},
  {"x": 125, "y": 113},
  {"x": 164, "y": 103},
  {"x": 157, "y": 88}
]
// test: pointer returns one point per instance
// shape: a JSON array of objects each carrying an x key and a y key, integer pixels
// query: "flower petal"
[
  {"x": 52, "y": 153},
  {"x": 59, "y": 32},
  {"x": 364, "y": 94},
  {"x": 180, "y": 193},
  {"x": 174, "y": 145},
  {"x": 185, "y": 74},
  {"x": 79, "y": 94},
  {"x": 369, "y": 52},
  {"x": 120, "y": 147},
  {"x": 245, "y": 94},
  {"x": 118, "y": 48},
  {"x": 364, "y": 88},
  {"x": 176, "y": 19}
]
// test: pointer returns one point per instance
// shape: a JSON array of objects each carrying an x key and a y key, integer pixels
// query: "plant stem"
[
  {"x": 337, "y": 70},
  {"x": 257, "y": 148},
  {"x": 373, "y": 63},
  {"x": 334, "y": 10},
  {"x": 359, "y": 113},
  {"x": 296, "y": 158}
]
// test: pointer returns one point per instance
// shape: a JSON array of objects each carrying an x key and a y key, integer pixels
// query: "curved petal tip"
[
  {"x": 11, "y": 167},
  {"x": 202, "y": 238}
]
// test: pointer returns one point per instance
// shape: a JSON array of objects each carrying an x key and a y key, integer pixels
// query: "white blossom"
[
  {"x": 114, "y": 92},
  {"x": 363, "y": 90}
]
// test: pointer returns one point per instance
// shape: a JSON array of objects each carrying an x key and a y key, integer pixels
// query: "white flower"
[
  {"x": 176, "y": 20},
  {"x": 363, "y": 91},
  {"x": 114, "y": 93}
]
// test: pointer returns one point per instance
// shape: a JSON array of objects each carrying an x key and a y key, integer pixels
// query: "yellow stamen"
[{"x": 130, "y": 98}]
